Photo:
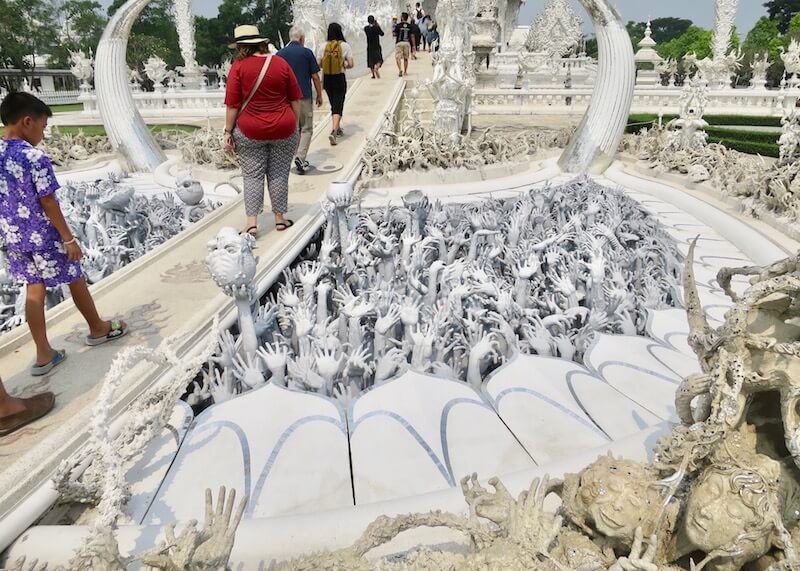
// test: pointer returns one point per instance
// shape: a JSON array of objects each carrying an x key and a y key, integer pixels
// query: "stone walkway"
[{"x": 161, "y": 297}]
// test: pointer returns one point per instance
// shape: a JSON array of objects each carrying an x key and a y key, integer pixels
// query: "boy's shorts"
[
  {"x": 402, "y": 50},
  {"x": 50, "y": 267}
]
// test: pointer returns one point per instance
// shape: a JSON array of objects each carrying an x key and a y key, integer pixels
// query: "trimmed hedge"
[
  {"x": 738, "y": 134},
  {"x": 94, "y": 130},
  {"x": 749, "y": 147},
  {"x": 639, "y": 121}
]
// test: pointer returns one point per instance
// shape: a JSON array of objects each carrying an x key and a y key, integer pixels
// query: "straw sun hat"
[{"x": 247, "y": 34}]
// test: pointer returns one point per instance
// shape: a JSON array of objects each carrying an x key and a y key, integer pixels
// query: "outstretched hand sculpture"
[{"x": 450, "y": 289}]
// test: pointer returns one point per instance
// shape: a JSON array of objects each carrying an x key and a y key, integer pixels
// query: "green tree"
[
  {"x": 636, "y": 32},
  {"x": 214, "y": 34},
  {"x": 82, "y": 23},
  {"x": 695, "y": 40},
  {"x": 667, "y": 29},
  {"x": 156, "y": 29},
  {"x": 794, "y": 29},
  {"x": 27, "y": 30},
  {"x": 782, "y": 11},
  {"x": 761, "y": 38}
]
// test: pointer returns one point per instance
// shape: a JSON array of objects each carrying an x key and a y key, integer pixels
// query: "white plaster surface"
[
  {"x": 420, "y": 433},
  {"x": 286, "y": 450}
]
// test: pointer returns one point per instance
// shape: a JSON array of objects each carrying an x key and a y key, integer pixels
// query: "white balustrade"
[{"x": 645, "y": 100}]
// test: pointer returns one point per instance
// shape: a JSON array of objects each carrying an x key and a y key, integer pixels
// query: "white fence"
[
  {"x": 559, "y": 100},
  {"x": 58, "y": 97}
]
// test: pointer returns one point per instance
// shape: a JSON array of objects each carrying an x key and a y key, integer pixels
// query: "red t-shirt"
[{"x": 269, "y": 115}]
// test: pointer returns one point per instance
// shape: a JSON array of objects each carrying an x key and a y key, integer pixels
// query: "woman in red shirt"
[{"x": 261, "y": 124}]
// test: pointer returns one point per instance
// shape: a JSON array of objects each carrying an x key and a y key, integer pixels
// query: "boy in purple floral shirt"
[{"x": 42, "y": 251}]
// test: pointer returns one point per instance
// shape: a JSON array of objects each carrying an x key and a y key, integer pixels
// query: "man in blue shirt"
[{"x": 305, "y": 67}]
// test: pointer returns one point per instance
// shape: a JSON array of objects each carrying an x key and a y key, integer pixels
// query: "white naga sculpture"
[
  {"x": 453, "y": 290},
  {"x": 595, "y": 144},
  {"x": 123, "y": 123},
  {"x": 82, "y": 67},
  {"x": 556, "y": 30}
]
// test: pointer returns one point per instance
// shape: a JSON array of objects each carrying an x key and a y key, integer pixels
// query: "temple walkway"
[{"x": 166, "y": 293}]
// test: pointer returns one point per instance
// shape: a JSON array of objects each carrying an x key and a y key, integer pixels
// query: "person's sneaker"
[
  {"x": 306, "y": 165},
  {"x": 339, "y": 132},
  {"x": 332, "y": 138},
  {"x": 298, "y": 164},
  {"x": 400, "y": 74}
]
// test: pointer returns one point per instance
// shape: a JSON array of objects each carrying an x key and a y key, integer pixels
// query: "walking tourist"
[
  {"x": 42, "y": 251},
  {"x": 306, "y": 70},
  {"x": 433, "y": 36},
  {"x": 417, "y": 35},
  {"x": 335, "y": 56},
  {"x": 374, "y": 52},
  {"x": 261, "y": 123},
  {"x": 17, "y": 412},
  {"x": 423, "y": 31},
  {"x": 419, "y": 13},
  {"x": 404, "y": 38}
]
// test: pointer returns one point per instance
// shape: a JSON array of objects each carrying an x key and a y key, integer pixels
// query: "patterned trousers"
[{"x": 270, "y": 159}]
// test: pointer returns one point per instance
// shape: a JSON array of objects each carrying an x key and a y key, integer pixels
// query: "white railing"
[
  {"x": 59, "y": 97},
  {"x": 559, "y": 100},
  {"x": 169, "y": 103}
]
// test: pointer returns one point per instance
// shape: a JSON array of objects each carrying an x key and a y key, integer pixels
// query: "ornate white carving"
[
  {"x": 724, "y": 63},
  {"x": 156, "y": 71},
  {"x": 82, "y": 67},
  {"x": 556, "y": 30},
  {"x": 184, "y": 22},
  {"x": 791, "y": 61},
  {"x": 688, "y": 128},
  {"x": 761, "y": 64},
  {"x": 308, "y": 14},
  {"x": 790, "y": 137}
]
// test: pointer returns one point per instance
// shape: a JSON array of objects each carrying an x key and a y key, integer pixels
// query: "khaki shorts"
[{"x": 402, "y": 50}]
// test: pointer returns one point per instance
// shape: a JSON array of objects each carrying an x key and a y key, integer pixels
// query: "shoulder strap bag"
[{"x": 260, "y": 79}]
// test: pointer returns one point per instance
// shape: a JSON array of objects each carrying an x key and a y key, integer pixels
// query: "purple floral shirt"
[{"x": 26, "y": 175}]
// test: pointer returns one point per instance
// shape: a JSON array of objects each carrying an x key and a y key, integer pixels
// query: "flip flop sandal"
[
  {"x": 59, "y": 356},
  {"x": 116, "y": 332},
  {"x": 280, "y": 226},
  {"x": 36, "y": 407},
  {"x": 253, "y": 231}
]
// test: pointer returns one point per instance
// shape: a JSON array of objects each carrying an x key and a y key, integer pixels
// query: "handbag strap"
[{"x": 260, "y": 79}]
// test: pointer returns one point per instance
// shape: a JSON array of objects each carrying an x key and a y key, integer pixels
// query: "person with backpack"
[
  {"x": 404, "y": 42},
  {"x": 374, "y": 52},
  {"x": 335, "y": 56},
  {"x": 419, "y": 13}
]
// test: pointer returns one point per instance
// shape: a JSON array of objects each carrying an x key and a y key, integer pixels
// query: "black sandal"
[
  {"x": 253, "y": 231},
  {"x": 281, "y": 226}
]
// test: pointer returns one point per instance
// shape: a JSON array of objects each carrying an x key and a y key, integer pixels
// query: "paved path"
[{"x": 159, "y": 298}]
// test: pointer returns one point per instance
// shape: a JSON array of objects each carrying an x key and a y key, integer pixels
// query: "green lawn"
[
  {"x": 66, "y": 108},
  {"x": 100, "y": 130}
]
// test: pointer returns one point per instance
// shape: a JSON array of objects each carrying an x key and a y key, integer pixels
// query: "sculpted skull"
[
  {"x": 188, "y": 189},
  {"x": 231, "y": 262}
]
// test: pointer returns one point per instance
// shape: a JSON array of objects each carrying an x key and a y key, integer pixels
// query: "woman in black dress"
[{"x": 374, "y": 52}]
